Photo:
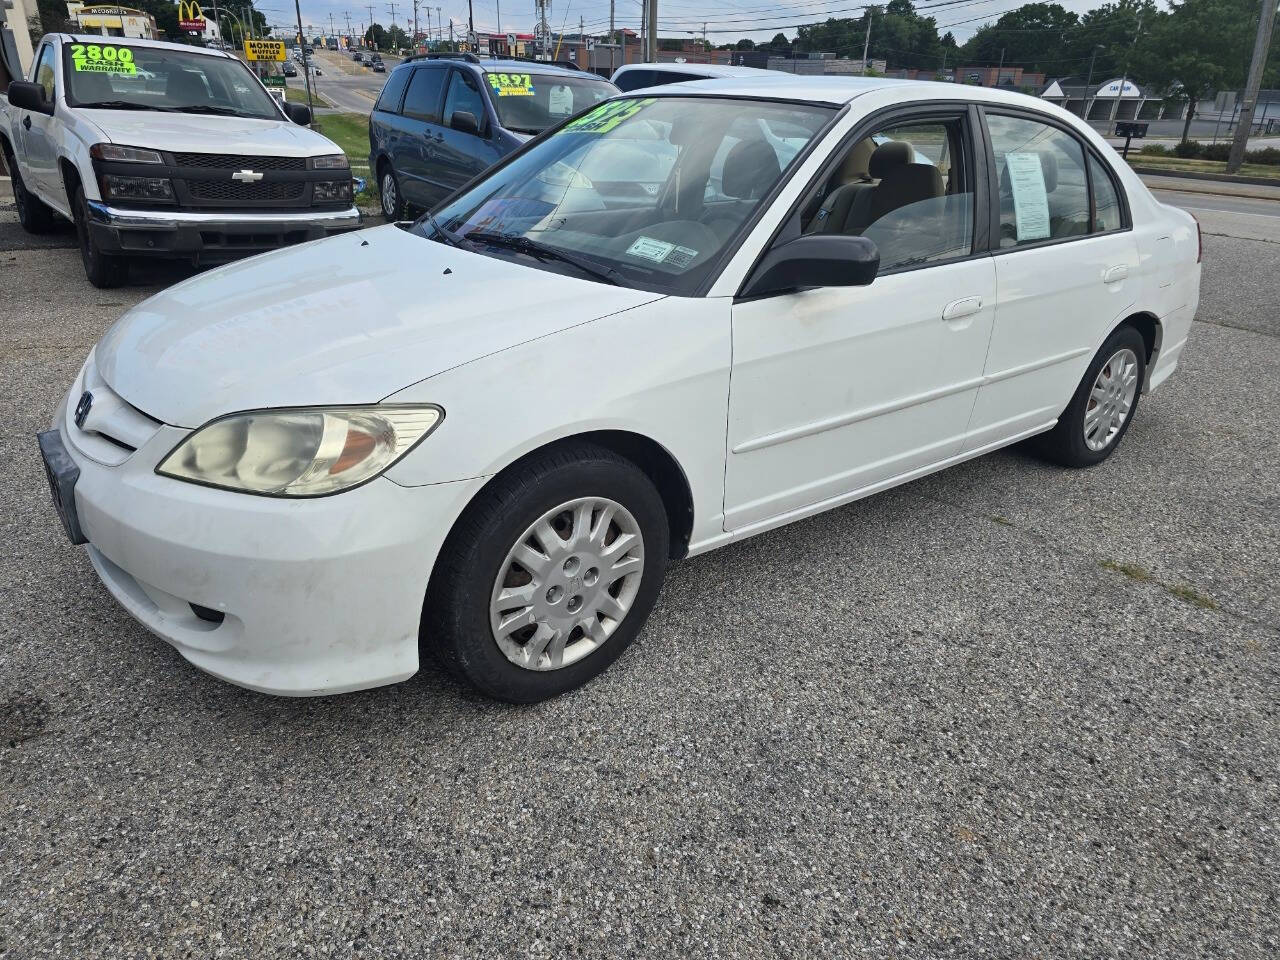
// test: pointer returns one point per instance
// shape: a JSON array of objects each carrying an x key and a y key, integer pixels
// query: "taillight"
[{"x": 1199, "y": 239}]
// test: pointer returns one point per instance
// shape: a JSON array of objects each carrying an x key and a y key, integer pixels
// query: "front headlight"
[
  {"x": 327, "y": 191},
  {"x": 114, "y": 151},
  {"x": 306, "y": 452},
  {"x": 332, "y": 161}
]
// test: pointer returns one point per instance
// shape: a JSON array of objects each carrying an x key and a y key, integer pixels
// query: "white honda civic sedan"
[{"x": 485, "y": 434}]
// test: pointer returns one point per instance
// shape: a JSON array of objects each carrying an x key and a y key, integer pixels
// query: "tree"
[
  {"x": 1033, "y": 37},
  {"x": 745, "y": 44},
  {"x": 397, "y": 39},
  {"x": 376, "y": 36},
  {"x": 780, "y": 44},
  {"x": 1198, "y": 47}
]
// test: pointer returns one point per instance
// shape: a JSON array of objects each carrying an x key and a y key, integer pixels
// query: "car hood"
[
  {"x": 201, "y": 133},
  {"x": 347, "y": 320}
]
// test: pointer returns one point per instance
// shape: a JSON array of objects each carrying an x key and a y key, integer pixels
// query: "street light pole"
[
  {"x": 1088, "y": 84},
  {"x": 866, "y": 41},
  {"x": 1261, "y": 44},
  {"x": 306, "y": 65}
]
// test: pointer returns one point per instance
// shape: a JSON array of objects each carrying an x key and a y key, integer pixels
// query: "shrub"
[
  {"x": 1187, "y": 149},
  {"x": 1267, "y": 155},
  {"x": 1216, "y": 151},
  {"x": 1155, "y": 150}
]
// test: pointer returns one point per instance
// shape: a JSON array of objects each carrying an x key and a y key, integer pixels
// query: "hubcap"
[
  {"x": 388, "y": 194},
  {"x": 567, "y": 583},
  {"x": 1111, "y": 399}
]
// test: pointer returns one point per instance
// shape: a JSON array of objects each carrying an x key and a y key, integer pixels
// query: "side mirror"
[
  {"x": 818, "y": 260},
  {"x": 299, "y": 113},
  {"x": 464, "y": 122},
  {"x": 29, "y": 96}
]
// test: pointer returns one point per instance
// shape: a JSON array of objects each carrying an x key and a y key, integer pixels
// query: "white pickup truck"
[{"x": 165, "y": 150}]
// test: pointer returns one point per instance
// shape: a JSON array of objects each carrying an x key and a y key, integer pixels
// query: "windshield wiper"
[
  {"x": 448, "y": 236},
  {"x": 217, "y": 111},
  {"x": 542, "y": 251},
  {"x": 121, "y": 105}
]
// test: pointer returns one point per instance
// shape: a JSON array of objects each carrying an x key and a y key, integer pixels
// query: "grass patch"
[
  {"x": 1215, "y": 167},
  {"x": 1193, "y": 596},
  {"x": 1131, "y": 570},
  {"x": 299, "y": 95}
]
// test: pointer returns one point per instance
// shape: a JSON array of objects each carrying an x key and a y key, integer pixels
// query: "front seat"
[
  {"x": 902, "y": 182},
  {"x": 749, "y": 170},
  {"x": 186, "y": 88},
  {"x": 94, "y": 88},
  {"x": 853, "y": 177}
]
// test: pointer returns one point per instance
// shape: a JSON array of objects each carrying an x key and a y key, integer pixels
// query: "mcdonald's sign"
[{"x": 190, "y": 16}]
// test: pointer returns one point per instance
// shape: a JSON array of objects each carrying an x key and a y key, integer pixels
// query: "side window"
[
  {"x": 635, "y": 79},
  {"x": 393, "y": 90},
  {"x": 43, "y": 72},
  {"x": 464, "y": 95},
  {"x": 906, "y": 186},
  {"x": 422, "y": 102},
  {"x": 1044, "y": 193},
  {"x": 1106, "y": 202}
]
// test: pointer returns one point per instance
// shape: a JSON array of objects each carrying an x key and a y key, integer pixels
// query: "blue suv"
[{"x": 442, "y": 119}]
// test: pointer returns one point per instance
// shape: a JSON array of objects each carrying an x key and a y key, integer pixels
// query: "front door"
[
  {"x": 461, "y": 155},
  {"x": 39, "y": 149},
  {"x": 839, "y": 391}
]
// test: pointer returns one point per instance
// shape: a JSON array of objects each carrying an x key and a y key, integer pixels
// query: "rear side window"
[
  {"x": 422, "y": 102},
  {"x": 393, "y": 90},
  {"x": 1044, "y": 190},
  {"x": 634, "y": 80},
  {"x": 1106, "y": 201}
]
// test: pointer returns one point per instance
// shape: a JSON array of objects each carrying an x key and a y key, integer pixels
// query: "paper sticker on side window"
[
  {"x": 100, "y": 58},
  {"x": 606, "y": 116},
  {"x": 511, "y": 84}
]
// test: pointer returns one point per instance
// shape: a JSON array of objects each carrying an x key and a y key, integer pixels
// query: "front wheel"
[
  {"x": 547, "y": 578},
  {"x": 104, "y": 270},
  {"x": 1104, "y": 404},
  {"x": 392, "y": 200}
]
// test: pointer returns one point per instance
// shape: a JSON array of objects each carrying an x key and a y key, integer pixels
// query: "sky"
[{"x": 726, "y": 20}]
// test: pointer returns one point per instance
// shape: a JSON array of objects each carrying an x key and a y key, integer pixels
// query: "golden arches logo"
[{"x": 189, "y": 12}]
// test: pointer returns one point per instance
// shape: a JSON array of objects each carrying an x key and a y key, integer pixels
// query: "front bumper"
[
  {"x": 315, "y": 596},
  {"x": 210, "y": 236}
]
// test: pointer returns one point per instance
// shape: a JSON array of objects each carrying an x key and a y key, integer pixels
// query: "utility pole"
[
  {"x": 1088, "y": 84},
  {"x": 471, "y": 20},
  {"x": 1261, "y": 44},
  {"x": 1000, "y": 69},
  {"x": 611, "y": 37},
  {"x": 347, "y": 16},
  {"x": 415, "y": 23},
  {"x": 440, "y": 24},
  {"x": 392, "y": 7},
  {"x": 306, "y": 67},
  {"x": 370, "y": 30},
  {"x": 866, "y": 41},
  {"x": 652, "y": 56},
  {"x": 1124, "y": 78}
]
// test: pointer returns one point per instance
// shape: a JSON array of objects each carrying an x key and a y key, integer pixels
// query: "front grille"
[
  {"x": 231, "y": 161},
  {"x": 233, "y": 190}
]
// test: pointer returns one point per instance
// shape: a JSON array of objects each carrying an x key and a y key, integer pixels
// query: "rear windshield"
[
  {"x": 532, "y": 102},
  {"x": 117, "y": 76}
]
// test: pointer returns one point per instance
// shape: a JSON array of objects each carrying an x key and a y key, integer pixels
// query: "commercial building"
[{"x": 112, "y": 21}]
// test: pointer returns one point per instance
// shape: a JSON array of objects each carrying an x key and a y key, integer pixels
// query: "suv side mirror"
[
  {"x": 29, "y": 96},
  {"x": 299, "y": 113},
  {"x": 464, "y": 121},
  {"x": 818, "y": 260}
]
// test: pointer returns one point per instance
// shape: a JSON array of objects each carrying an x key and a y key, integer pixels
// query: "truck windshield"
[
  {"x": 532, "y": 102},
  {"x": 641, "y": 192},
  {"x": 118, "y": 76}
]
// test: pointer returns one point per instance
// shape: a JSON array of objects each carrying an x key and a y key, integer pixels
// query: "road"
[
  {"x": 349, "y": 87},
  {"x": 1007, "y": 710}
]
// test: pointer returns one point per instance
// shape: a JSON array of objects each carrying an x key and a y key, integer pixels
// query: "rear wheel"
[
  {"x": 103, "y": 269},
  {"x": 392, "y": 199},
  {"x": 34, "y": 215},
  {"x": 549, "y": 576},
  {"x": 1104, "y": 404}
]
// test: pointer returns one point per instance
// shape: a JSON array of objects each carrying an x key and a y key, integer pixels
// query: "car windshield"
[
  {"x": 532, "y": 102},
  {"x": 644, "y": 192},
  {"x": 123, "y": 77}
]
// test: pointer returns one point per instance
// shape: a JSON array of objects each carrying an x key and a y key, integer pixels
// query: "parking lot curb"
[{"x": 1254, "y": 188}]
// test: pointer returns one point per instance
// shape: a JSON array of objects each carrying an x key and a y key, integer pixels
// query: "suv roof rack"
[
  {"x": 469, "y": 57},
  {"x": 567, "y": 64}
]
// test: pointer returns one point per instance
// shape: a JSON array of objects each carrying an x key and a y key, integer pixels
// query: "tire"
[
  {"x": 1103, "y": 400},
  {"x": 460, "y": 624},
  {"x": 392, "y": 200},
  {"x": 104, "y": 270},
  {"x": 34, "y": 215}
]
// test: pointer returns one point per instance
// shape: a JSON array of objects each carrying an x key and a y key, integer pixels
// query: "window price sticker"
[
  {"x": 607, "y": 116},
  {"x": 97, "y": 58},
  {"x": 511, "y": 84}
]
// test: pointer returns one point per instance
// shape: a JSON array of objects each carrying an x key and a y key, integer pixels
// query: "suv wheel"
[{"x": 392, "y": 200}]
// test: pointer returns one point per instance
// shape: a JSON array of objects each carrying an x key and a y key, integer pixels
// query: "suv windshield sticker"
[
  {"x": 95, "y": 58},
  {"x": 607, "y": 116},
  {"x": 511, "y": 84}
]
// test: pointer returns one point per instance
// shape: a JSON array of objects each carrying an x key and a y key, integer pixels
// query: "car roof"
[
  {"x": 837, "y": 90},
  {"x": 710, "y": 69},
  {"x": 509, "y": 66},
  {"x": 140, "y": 42}
]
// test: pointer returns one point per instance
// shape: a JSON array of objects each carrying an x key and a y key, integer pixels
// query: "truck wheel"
[
  {"x": 34, "y": 216},
  {"x": 103, "y": 269}
]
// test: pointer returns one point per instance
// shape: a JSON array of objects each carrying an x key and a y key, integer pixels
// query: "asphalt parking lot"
[{"x": 1004, "y": 711}]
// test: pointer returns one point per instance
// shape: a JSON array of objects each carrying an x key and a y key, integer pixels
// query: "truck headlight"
[
  {"x": 136, "y": 188},
  {"x": 331, "y": 161},
  {"x": 123, "y": 154},
  {"x": 305, "y": 452},
  {"x": 323, "y": 191}
]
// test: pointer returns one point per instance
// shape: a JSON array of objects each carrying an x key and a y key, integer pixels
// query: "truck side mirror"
[
  {"x": 29, "y": 96},
  {"x": 299, "y": 113}
]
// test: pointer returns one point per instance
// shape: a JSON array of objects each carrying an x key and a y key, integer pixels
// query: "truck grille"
[
  {"x": 231, "y": 161},
  {"x": 231, "y": 190}
]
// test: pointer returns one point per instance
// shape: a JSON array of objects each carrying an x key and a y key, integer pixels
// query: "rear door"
[
  {"x": 415, "y": 156},
  {"x": 1066, "y": 273},
  {"x": 461, "y": 155}
]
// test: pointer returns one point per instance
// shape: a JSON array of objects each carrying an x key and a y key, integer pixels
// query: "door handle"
[
  {"x": 26, "y": 121},
  {"x": 1115, "y": 274},
  {"x": 957, "y": 309}
]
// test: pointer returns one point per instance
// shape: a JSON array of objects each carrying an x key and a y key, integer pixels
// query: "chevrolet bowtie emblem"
[{"x": 247, "y": 176}]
